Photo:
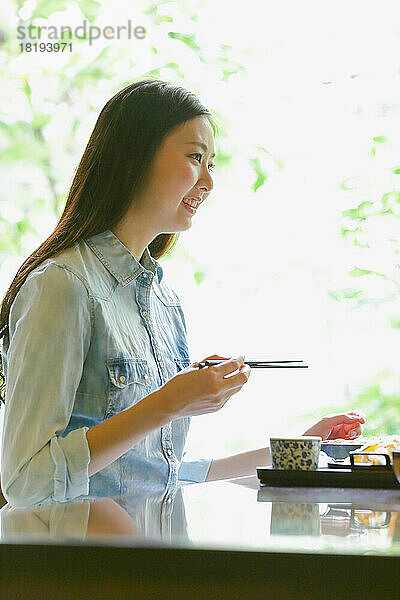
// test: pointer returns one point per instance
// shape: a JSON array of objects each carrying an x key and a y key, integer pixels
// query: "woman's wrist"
[{"x": 158, "y": 400}]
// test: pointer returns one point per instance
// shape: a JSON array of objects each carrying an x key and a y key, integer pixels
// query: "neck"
[{"x": 135, "y": 242}]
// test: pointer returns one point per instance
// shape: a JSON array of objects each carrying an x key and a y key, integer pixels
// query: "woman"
[{"x": 100, "y": 389}]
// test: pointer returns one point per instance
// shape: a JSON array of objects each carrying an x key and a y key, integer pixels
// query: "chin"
[{"x": 178, "y": 229}]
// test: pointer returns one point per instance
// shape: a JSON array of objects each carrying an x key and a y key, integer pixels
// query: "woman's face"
[{"x": 180, "y": 170}]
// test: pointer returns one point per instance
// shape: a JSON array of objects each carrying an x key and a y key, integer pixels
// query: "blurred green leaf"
[
  {"x": 40, "y": 120},
  {"x": 343, "y": 294},
  {"x": 261, "y": 175},
  {"x": 45, "y": 8},
  {"x": 356, "y": 272},
  {"x": 199, "y": 276},
  {"x": 90, "y": 9},
  {"x": 27, "y": 89},
  {"x": 226, "y": 73},
  {"x": 185, "y": 38},
  {"x": 363, "y": 210},
  {"x": 228, "y": 63},
  {"x": 355, "y": 236},
  {"x": 157, "y": 71},
  {"x": 25, "y": 226},
  {"x": 391, "y": 200},
  {"x": 396, "y": 170},
  {"x": 380, "y": 139},
  {"x": 152, "y": 12},
  {"x": 278, "y": 163},
  {"x": 222, "y": 159},
  {"x": 346, "y": 185}
]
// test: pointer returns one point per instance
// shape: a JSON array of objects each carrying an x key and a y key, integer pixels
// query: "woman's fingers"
[
  {"x": 352, "y": 430},
  {"x": 229, "y": 366},
  {"x": 353, "y": 433},
  {"x": 358, "y": 413},
  {"x": 339, "y": 425},
  {"x": 346, "y": 425},
  {"x": 236, "y": 382},
  {"x": 212, "y": 357},
  {"x": 344, "y": 419},
  {"x": 345, "y": 431}
]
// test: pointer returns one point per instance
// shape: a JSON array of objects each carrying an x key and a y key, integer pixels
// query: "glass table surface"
[{"x": 238, "y": 514}]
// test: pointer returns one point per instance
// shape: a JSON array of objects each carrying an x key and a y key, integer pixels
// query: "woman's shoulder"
[
  {"x": 58, "y": 270},
  {"x": 50, "y": 294},
  {"x": 78, "y": 264},
  {"x": 53, "y": 280}
]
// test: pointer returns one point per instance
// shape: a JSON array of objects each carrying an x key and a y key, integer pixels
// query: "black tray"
[{"x": 360, "y": 477}]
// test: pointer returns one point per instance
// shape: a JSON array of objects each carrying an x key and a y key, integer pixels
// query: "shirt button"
[
  {"x": 146, "y": 377},
  {"x": 159, "y": 357},
  {"x": 169, "y": 500},
  {"x": 144, "y": 313},
  {"x": 145, "y": 275},
  {"x": 169, "y": 452},
  {"x": 122, "y": 378}
]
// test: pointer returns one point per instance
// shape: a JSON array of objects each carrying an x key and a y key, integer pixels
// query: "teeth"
[{"x": 192, "y": 203}]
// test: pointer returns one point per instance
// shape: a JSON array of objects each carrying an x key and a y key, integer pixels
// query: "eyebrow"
[{"x": 203, "y": 146}]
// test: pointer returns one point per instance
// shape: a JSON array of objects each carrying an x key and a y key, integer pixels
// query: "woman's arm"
[
  {"x": 190, "y": 392},
  {"x": 49, "y": 337},
  {"x": 341, "y": 425},
  {"x": 50, "y": 334},
  {"x": 113, "y": 437},
  {"x": 239, "y": 465}
]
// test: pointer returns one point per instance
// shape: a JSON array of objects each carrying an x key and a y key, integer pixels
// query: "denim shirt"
[{"x": 92, "y": 331}]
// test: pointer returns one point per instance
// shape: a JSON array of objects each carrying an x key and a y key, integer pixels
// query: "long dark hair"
[{"x": 113, "y": 168}]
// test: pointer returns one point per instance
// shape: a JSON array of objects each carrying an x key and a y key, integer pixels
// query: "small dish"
[{"x": 339, "y": 451}]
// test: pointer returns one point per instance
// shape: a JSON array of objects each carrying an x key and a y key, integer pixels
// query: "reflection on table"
[{"x": 237, "y": 514}]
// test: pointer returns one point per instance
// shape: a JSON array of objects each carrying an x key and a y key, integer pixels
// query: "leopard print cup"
[{"x": 299, "y": 454}]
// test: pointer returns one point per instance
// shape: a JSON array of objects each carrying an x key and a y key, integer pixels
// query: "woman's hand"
[
  {"x": 195, "y": 391},
  {"x": 346, "y": 426}
]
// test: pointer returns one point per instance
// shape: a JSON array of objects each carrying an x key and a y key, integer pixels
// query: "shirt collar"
[{"x": 119, "y": 260}]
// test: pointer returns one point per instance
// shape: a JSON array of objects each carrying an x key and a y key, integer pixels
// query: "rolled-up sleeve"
[
  {"x": 50, "y": 331},
  {"x": 194, "y": 471}
]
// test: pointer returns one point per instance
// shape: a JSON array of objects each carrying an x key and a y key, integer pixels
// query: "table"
[{"x": 232, "y": 539}]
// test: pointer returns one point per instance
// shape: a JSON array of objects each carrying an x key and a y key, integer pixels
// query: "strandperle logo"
[{"x": 82, "y": 32}]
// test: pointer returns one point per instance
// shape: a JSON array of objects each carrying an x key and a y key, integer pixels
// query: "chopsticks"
[{"x": 261, "y": 364}]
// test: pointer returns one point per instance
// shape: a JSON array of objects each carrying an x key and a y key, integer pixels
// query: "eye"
[
  {"x": 197, "y": 154},
  {"x": 211, "y": 166}
]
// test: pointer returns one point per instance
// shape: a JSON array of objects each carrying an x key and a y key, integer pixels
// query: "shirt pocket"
[{"x": 130, "y": 380}]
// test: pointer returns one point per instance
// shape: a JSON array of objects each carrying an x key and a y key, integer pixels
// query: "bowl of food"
[{"x": 339, "y": 449}]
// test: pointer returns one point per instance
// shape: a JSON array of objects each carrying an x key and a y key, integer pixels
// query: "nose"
[{"x": 205, "y": 182}]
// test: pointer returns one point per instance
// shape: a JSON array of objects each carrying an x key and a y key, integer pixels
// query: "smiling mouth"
[{"x": 193, "y": 202}]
